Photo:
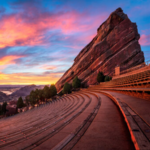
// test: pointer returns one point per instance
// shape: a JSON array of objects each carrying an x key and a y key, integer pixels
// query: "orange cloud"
[
  {"x": 6, "y": 60},
  {"x": 26, "y": 79}
]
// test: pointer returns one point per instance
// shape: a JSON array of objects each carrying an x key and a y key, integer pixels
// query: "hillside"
[
  {"x": 116, "y": 43},
  {"x": 24, "y": 91},
  {"x": 3, "y": 97}
]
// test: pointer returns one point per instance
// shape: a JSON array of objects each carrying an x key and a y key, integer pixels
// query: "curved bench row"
[
  {"x": 35, "y": 125},
  {"x": 70, "y": 141},
  {"x": 43, "y": 129},
  {"x": 25, "y": 118},
  {"x": 31, "y": 123},
  {"x": 61, "y": 125}
]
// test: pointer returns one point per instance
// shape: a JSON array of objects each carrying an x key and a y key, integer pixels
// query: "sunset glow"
[{"x": 26, "y": 79}]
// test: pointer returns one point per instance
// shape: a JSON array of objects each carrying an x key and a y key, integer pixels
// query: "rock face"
[{"x": 116, "y": 43}]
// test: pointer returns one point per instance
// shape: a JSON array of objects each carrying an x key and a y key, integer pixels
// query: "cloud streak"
[
  {"x": 7, "y": 60},
  {"x": 46, "y": 67},
  {"x": 144, "y": 40}
]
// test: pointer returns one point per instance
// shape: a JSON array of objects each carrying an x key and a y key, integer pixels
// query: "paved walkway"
[
  {"x": 69, "y": 129},
  {"x": 136, "y": 115},
  {"x": 140, "y": 106},
  {"x": 108, "y": 130}
]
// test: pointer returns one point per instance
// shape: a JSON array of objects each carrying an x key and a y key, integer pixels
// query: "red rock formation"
[{"x": 116, "y": 43}]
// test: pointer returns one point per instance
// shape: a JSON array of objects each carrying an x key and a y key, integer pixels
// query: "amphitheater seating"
[
  {"x": 35, "y": 126},
  {"x": 137, "y": 84},
  {"x": 141, "y": 79},
  {"x": 60, "y": 124}
]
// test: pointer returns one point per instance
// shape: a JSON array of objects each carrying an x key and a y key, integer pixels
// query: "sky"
[{"x": 39, "y": 39}]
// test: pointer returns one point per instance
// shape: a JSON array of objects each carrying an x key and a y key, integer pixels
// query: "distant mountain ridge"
[
  {"x": 21, "y": 92},
  {"x": 24, "y": 91}
]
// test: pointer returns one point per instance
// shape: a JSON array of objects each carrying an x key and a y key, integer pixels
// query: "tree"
[
  {"x": 4, "y": 107},
  {"x": 20, "y": 103},
  {"x": 46, "y": 92},
  {"x": 107, "y": 78},
  {"x": 27, "y": 100},
  {"x": 100, "y": 77},
  {"x": 41, "y": 95},
  {"x": 53, "y": 90},
  {"x": 33, "y": 97},
  {"x": 76, "y": 83},
  {"x": 66, "y": 88}
]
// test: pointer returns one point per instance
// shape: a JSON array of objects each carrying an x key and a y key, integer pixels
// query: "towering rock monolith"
[{"x": 116, "y": 44}]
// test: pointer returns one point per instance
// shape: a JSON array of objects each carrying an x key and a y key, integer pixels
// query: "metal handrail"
[{"x": 147, "y": 62}]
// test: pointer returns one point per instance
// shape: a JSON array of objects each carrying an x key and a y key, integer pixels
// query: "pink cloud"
[
  {"x": 144, "y": 40},
  {"x": 29, "y": 28}
]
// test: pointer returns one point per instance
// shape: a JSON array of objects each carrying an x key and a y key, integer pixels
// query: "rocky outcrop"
[{"x": 116, "y": 43}]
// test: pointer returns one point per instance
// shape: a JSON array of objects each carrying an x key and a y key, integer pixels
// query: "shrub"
[
  {"x": 53, "y": 90},
  {"x": 107, "y": 78},
  {"x": 76, "y": 82},
  {"x": 33, "y": 97},
  {"x": 20, "y": 103},
  {"x": 46, "y": 92},
  {"x": 66, "y": 88},
  {"x": 100, "y": 77},
  {"x": 40, "y": 95}
]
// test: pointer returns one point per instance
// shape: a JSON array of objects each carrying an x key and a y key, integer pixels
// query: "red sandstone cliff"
[{"x": 116, "y": 43}]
